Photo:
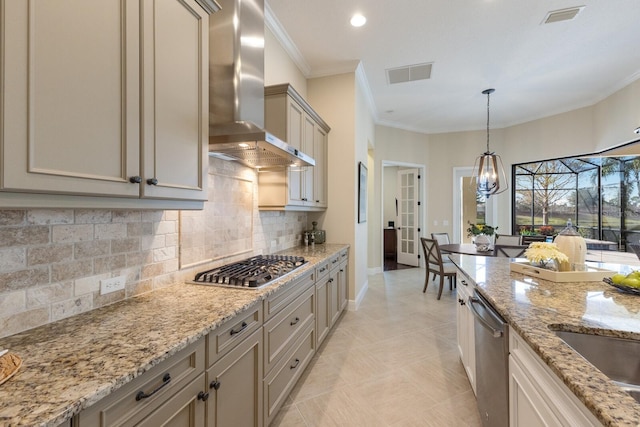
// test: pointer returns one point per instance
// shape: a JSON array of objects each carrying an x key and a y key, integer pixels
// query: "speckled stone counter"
[
  {"x": 73, "y": 363},
  {"x": 533, "y": 307}
]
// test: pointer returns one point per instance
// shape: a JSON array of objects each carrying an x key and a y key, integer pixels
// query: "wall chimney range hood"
[{"x": 236, "y": 90}]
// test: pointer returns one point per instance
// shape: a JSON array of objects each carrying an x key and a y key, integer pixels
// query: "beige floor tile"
[{"x": 394, "y": 362}]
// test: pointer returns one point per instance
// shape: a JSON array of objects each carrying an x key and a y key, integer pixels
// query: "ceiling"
[{"x": 537, "y": 69}]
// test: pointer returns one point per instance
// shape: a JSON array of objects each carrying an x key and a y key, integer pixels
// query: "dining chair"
[
  {"x": 510, "y": 251},
  {"x": 442, "y": 238},
  {"x": 533, "y": 238},
  {"x": 509, "y": 239},
  {"x": 434, "y": 264}
]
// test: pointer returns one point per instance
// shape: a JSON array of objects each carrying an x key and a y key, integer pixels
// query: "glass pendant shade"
[
  {"x": 488, "y": 170},
  {"x": 490, "y": 173}
]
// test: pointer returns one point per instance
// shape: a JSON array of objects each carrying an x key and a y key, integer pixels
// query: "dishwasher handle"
[{"x": 497, "y": 333}]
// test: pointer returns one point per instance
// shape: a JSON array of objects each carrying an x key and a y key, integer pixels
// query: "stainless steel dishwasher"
[{"x": 492, "y": 362}]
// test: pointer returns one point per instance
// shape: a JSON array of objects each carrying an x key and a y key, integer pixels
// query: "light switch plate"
[{"x": 113, "y": 284}]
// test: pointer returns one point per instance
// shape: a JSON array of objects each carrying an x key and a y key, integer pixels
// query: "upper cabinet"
[
  {"x": 105, "y": 98},
  {"x": 291, "y": 118}
]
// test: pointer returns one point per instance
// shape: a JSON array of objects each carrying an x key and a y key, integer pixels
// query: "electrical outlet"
[{"x": 111, "y": 285}]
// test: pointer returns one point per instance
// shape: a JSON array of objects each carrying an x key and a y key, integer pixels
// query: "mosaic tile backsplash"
[{"x": 52, "y": 260}]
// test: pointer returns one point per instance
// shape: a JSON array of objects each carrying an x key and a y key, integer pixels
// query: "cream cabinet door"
[
  {"x": 70, "y": 102},
  {"x": 174, "y": 101},
  {"x": 295, "y": 137},
  {"x": 320, "y": 142}
]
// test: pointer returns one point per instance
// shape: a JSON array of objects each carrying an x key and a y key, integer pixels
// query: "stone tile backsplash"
[{"x": 52, "y": 260}]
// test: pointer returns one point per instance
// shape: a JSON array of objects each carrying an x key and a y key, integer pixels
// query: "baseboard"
[{"x": 353, "y": 305}]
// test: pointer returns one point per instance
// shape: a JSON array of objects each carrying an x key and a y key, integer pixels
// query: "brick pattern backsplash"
[{"x": 52, "y": 260}]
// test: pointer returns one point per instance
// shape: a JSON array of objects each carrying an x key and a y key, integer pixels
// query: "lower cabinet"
[
  {"x": 175, "y": 389},
  {"x": 284, "y": 375},
  {"x": 185, "y": 408},
  {"x": 235, "y": 386},
  {"x": 537, "y": 397},
  {"x": 243, "y": 371},
  {"x": 466, "y": 336},
  {"x": 343, "y": 280}
]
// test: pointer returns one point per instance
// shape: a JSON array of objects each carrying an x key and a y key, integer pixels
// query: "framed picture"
[{"x": 362, "y": 193}]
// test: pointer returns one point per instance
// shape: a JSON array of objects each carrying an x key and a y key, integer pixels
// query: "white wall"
[{"x": 279, "y": 67}]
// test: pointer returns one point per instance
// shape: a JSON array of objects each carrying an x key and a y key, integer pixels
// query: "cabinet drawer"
[
  {"x": 283, "y": 328},
  {"x": 278, "y": 384},
  {"x": 127, "y": 406},
  {"x": 323, "y": 268},
  {"x": 334, "y": 261},
  {"x": 230, "y": 333},
  {"x": 185, "y": 408},
  {"x": 279, "y": 300}
]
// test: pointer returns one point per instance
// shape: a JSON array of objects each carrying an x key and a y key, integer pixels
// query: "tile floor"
[{"x": 394, "y": 362}]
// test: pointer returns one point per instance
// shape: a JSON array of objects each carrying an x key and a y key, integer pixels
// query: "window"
[{"x": 599, "y": 194}]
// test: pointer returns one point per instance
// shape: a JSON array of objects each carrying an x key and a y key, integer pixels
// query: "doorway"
[
  {"x": 403, "y": 213},
  {"x": 469, "y": 206}
]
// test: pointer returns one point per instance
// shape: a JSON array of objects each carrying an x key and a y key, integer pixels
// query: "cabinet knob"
[
  {"x": 203, "y": 396},
  {"x": 461, "y": 301},
  {"x": 135, "y": 179},
  {"x": 152, "y": 181},
  {"x": 214, "y": 385}
]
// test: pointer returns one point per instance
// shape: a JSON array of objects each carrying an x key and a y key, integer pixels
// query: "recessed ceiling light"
[{"x": 358, "y": 20}]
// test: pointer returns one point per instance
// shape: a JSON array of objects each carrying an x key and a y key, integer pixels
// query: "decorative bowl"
[{"x": 622, "y": 288}]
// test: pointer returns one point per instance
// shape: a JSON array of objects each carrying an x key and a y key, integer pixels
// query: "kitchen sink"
[{"x": 617, "y": 358}]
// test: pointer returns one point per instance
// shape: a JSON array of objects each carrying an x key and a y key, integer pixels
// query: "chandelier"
[{"x": 488, "y": 170}]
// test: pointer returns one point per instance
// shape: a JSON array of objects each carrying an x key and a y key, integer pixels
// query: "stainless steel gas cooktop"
[{"x": 252, "y": 273}]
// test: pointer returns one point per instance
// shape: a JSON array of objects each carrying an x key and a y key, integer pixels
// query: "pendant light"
[{"x": 488, "y": 170}]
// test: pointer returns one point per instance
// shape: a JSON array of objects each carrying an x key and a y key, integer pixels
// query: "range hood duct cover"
[{"x": 236, "y": 90}]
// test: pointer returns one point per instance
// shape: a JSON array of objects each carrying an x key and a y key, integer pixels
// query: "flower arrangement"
[
  {"x": 543, "y": 252},
  {"x": 476, "y": 229},
  {"x": 546, "y": 230}
]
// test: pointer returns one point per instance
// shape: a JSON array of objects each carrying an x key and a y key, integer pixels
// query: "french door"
[{"x": 408, "y": 216}]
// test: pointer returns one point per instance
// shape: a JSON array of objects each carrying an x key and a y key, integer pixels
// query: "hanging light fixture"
[{"x": 488, "y": 170}]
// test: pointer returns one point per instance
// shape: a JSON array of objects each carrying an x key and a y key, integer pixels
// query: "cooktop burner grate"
[{"x": 251, "y": 273}]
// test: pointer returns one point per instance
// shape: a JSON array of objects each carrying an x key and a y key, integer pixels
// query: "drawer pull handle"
[
  {"x": 330, "y": 280},
  {"x": 242, "y": 328},
  {"x": 214, "y": 385},
  {"x": 323, "y": 269},
  {"x": 296, "y": 320},
  {"x": 334, "y": 261},
  {"x": 203, "y": 396},
  {"x": 165, "y": 381},
  {"x": 295, "y": 364}
]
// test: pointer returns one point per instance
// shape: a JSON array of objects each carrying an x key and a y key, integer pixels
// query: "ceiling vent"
[
  {"x": 409, "y": 73},
  {"x": 562, "y": 15}
]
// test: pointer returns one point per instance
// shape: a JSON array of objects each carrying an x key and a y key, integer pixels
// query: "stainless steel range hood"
[{"x": 236, "y": 90}]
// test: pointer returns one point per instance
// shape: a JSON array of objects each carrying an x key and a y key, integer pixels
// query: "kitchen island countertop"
[
  {"x": 531, "y": 306},
  {"x": 72, "y": 363}
]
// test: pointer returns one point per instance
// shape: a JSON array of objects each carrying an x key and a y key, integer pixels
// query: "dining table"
[{"x": 465, "y": 249}]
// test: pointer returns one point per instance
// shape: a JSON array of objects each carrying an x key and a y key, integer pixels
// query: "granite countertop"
[
  {"x": 71, "y": 364},
  {"x": 532, "y": 306}
]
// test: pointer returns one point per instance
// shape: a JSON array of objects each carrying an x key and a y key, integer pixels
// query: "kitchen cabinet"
[
  {"x": 113, "y": 107},
  {"x": 235, "y": 386},
  {"x": 331, "y": 295},
  {"x": 537, "y": 397},
  {"x": 342, "y": 277},
  {"x": 291, "y": 118},
  {"x": 465, "y": 328},
  {"x": 290, "y": 340},
  {"x": 175, "y": 389}
]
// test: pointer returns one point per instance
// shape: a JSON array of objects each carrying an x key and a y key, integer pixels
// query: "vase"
[{"x": 483, "y": 243}]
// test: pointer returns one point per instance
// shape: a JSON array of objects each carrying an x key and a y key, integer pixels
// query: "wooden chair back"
[{"x": 510, "y": 251}]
